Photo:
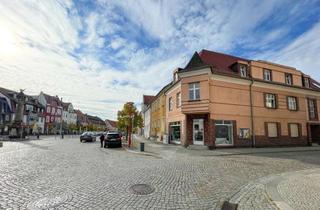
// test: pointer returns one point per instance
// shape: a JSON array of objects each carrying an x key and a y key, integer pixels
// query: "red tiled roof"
[
  {"x": 147, "y": 99},
  {"x": 220, "y": 61},
  {"x": 50, "y": 99}
]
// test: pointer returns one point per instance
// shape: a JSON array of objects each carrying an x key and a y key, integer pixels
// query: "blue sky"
[{"x": 100, "y": 54}]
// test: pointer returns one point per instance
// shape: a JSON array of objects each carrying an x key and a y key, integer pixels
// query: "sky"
[{"x": 100, "y": 54}]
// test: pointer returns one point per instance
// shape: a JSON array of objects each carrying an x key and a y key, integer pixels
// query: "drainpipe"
[{"x": 253, "y": 136}]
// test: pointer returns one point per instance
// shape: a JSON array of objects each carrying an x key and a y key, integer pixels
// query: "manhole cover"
[
  {"x": 141, "y": 189},
  {"x": 49, "y": 202}
]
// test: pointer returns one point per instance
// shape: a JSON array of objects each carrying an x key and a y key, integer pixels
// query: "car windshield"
[
  {"x": 113, "y": 136},
  {"x": 85, "y": 133}
]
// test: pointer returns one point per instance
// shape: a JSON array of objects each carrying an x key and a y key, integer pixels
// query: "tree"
[{"x": 129, "y": 119}]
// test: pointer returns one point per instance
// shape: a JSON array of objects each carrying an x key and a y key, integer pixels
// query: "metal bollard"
[
  {"x": 1, "y": 144},
  {"x": 141, "y": 147}
]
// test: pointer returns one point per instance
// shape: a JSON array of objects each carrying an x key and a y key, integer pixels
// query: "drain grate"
[
  {"x": 141, "y": 189},
  {"x": 49, "y": 202}
]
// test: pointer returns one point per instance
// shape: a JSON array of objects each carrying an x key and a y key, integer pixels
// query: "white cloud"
[
  {"x": 123, "y": 49},
  {"x": 302, "y": 53}
]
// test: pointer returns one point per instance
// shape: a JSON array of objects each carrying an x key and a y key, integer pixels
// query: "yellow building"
[{"x": 158, "y": 115}]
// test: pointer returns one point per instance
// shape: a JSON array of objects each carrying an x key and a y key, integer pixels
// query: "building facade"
[
  {"x": 220, "y": 100},
  {"x": 53, "y": 112},
  {"x": 111, "y": 125},
  {"x": 158, "y": 115},
  {"x": 95, "y": 123},
  {"x": 146, "y": 114}
]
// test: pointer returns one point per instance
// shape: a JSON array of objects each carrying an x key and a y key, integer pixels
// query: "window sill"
[{"x": 194, "y": 100}]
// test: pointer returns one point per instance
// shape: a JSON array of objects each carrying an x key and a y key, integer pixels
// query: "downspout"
[{"x": 253, "y": 136}]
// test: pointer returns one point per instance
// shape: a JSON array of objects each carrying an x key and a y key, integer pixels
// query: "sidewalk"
[
  {"x": 155, "y": 147},
  {"x": 288, "y": 191}
]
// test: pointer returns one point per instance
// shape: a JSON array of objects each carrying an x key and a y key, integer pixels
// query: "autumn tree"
[{"x": 129, "y": 119}]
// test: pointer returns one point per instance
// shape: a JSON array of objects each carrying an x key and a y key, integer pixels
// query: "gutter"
[{"x": 253, "y": 136}]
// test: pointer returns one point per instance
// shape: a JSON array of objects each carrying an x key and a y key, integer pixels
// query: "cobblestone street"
[{"x": 66, "y": 174}]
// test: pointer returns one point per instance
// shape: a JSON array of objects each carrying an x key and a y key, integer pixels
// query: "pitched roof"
[
  {"x": 219, "y": 61},
  {"x": 112, "y": 123},
  {"x": 50, "y": 99},
  {"x": 147, "y": 99}
]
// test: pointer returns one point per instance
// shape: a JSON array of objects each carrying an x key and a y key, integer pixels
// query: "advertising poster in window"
[{"x": 244, "y": 133}]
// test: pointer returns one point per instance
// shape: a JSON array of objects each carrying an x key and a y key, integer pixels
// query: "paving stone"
[{"x": 95, "y": 178}]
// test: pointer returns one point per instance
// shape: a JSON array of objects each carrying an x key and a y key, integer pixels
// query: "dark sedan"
[
  {"x": 113, "y": 139},
  {"x": 87, "y": 136}
]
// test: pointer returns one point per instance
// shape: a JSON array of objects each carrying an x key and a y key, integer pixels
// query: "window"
[
  {"x": 312, "y": 105},
  {"x": 243, "y": 71},
  {"x": 270, "y": 100},
  {"x": 170, "y": 104},
  {"x": 194, "y": 91},
  {"x": 267, "y": 75},
  {"x": 178, "y": 99},
  {"x": 47, "y": 119},
  {"x": 48, "y": 109},
  {"x": 272, "y": 129},
  {"x": 306, "y": 82},
  {"x": 292, "y": 103},
  {"x": 294, "y": 130},
  {"x": 288, "y": 78},
  {"x": 53, "y": 110}
]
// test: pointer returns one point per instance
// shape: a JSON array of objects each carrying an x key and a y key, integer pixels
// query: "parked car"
[
  {"x": 87, "y": 136},
  {"x": 113, "y": 139}
]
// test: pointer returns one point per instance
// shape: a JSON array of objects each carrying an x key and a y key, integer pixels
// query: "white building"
[
  {"x": 147, "y": 122},
  {"x": 146, "y": 115},
  {"x": 69, "y": 116}
]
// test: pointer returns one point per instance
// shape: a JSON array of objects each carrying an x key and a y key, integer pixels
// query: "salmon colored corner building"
[{"x": 220, "y": 100}]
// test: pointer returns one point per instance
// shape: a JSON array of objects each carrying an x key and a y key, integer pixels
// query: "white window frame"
[
  {"x": 48, "y": 109},
  {"x": 179, "y": 99},
  {"x": 306, "y": 82},
  {"x": 270, "y": 99},
  {"x": 267, "y": 74},
  {"x": 292, "y": 103},
  {"x": 288, "y": 79},
  {"x": 193, "y": 88},
  {"x": 312, "y": 109},
  {"x": 243, "y": 71},
  {"x": 170, "y": 104}
]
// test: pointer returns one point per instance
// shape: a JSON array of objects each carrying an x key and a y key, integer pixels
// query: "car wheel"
[{"x": 80, "y": 140}]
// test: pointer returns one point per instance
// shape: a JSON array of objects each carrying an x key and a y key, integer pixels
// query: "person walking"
[{"x": 101, "y": 140}]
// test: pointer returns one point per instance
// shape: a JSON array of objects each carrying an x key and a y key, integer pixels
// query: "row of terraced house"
[
  {"x": 46, "y": 114},
  {"x": 220, "y": 100}
]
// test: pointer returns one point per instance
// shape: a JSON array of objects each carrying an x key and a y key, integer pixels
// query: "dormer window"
[
  {"x": 243, "y": 71},
  {"x": 288, "y": 78},
  {"x": 176, "y": 77},
  {"x": 267, "y": 75},
  {"x": 306, "y": 82}
]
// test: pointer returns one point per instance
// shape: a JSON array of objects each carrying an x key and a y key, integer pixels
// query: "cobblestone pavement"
[{"x": 66, "y": 174}]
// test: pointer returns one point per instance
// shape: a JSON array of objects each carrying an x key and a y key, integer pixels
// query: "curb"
[
  {"x": 256, "y": 153},
  {"x": 270, "y": 184}
]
